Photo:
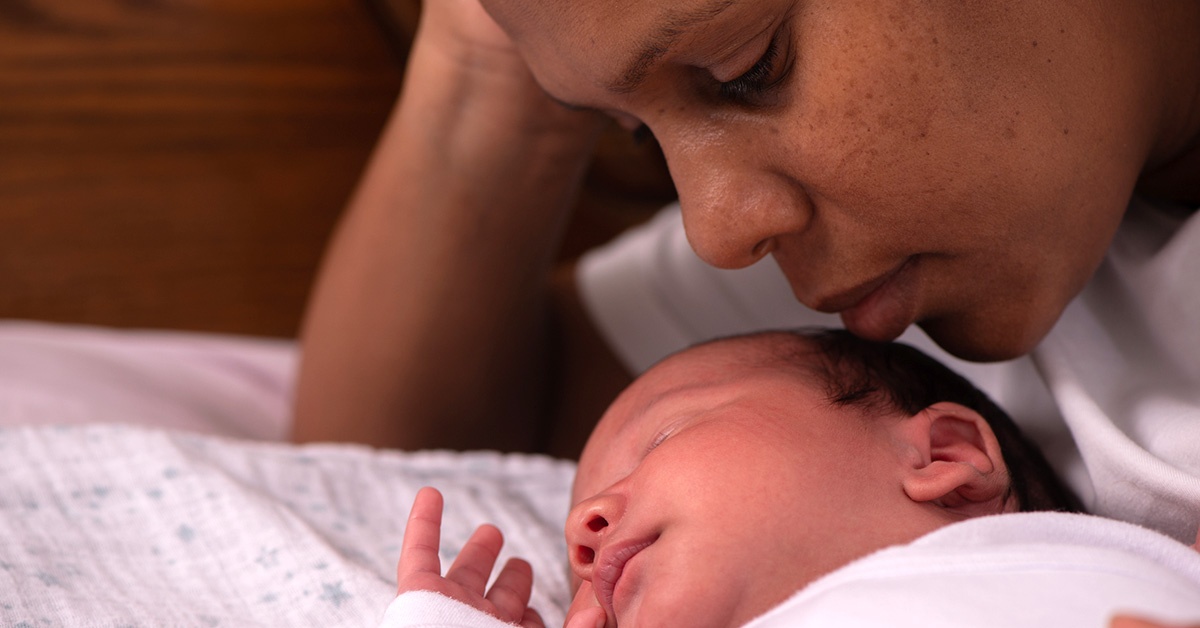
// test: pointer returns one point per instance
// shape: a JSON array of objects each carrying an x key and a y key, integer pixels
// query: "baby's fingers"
[
  {"x": 422, "y": 534},
  {"x": 474, "y": 563},
  {"x": 532, "y": 619},
  {"x": 510, "y": 592}
]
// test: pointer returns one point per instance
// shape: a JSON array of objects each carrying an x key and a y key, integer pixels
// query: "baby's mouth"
[{"x": 610, "y": 566}]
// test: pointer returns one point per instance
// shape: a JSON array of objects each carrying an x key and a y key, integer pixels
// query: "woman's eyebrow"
[{"x": 658, "y": 43}]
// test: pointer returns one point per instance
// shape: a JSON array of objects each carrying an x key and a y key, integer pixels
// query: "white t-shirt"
[
  {"x": 1035, "y": 570},
  {"x": 1120, "y": 372}
]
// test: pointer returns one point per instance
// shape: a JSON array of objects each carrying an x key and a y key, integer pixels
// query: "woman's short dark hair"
[{"x": 882, "y": 376}]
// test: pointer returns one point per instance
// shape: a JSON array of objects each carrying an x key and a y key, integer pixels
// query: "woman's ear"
[{"x": 958, "y": 464}]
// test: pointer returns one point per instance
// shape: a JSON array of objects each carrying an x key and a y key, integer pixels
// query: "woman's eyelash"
[{"x": 757, "y": 79}]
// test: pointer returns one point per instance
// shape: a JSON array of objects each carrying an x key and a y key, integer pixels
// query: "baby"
[{"x": 761, "y": 463}]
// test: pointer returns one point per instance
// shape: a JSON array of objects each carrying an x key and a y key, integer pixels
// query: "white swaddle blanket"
[
  {"x": 1035, "y": 570},
  {"x": 125, "y": 526}
]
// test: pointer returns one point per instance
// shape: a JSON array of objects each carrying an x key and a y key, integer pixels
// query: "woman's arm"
[{"x": 428, "y": 326}]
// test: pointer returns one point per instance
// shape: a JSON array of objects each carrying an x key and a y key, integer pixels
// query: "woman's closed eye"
[{"x": 766, "y": 74}]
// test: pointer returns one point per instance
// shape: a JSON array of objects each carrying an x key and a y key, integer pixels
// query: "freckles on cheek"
[
  {"x": 865, "y": 150},
  {"x": 836, "y": 133},
  {"x": 872, "y": 100},
  {"x": 837, "y": 156}
]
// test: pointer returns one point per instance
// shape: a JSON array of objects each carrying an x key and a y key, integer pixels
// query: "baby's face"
[{"x": 712, "y": 489}]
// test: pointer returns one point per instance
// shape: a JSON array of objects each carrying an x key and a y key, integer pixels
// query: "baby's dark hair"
[{"x": 882, "y": 376}]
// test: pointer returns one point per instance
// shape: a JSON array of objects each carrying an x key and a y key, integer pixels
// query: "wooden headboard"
[{"x": 180, "y": 163}]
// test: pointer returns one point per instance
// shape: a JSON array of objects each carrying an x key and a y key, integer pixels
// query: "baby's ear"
[{"x": 958, "y": 464}]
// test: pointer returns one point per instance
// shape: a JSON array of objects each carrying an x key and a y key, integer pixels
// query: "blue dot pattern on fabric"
[{"x": 190, "y": 530}]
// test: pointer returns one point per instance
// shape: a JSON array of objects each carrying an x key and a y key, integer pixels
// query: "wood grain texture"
[{"x": 180, "y": 163}]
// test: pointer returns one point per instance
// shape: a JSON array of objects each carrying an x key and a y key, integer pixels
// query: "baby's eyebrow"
[{"x": 659, "y": 43}]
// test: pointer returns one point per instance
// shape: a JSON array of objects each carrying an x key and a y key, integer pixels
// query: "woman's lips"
[
  {"x": 888, "y": 307},
  {"x": 610, "y": 565}
]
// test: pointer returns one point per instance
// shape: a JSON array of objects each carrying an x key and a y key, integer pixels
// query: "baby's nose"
[{"x": 588, "y": 525}]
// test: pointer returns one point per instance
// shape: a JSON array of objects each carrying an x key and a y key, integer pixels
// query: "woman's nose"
[
  {"x": 736, "y": 206},
  {"x": 588, "y": 525}
]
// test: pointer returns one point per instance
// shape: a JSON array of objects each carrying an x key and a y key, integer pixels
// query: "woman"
[{"x": 961, "y": 167}]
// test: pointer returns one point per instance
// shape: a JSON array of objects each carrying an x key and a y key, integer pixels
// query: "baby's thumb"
[{"x": 593, "y": 617}]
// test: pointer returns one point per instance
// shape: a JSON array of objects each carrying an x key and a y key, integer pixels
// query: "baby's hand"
[{"x": 420, "y": 568}]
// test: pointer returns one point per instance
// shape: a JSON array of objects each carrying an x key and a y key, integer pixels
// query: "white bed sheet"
[
  {"x": 107, "y": 519},
  {"x": 208, "y": 383}
]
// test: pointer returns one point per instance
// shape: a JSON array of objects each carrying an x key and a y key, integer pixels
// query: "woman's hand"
[
  {"x": 465, "y": 28},
  {"x": 420, "y": 568},
  {"x": 472, "y": 51}
]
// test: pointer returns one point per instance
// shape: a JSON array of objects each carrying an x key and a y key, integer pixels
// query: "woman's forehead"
[{"x": 620, "y": 40}]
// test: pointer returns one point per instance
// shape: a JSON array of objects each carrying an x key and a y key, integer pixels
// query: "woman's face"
[{"x": 960, "y": 166}]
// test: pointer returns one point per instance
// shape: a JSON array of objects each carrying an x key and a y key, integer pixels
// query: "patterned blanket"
[{"x": 111, "y": 525}]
